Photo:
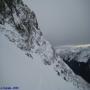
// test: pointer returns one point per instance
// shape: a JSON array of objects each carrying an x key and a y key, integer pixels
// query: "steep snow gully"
[{"x": 19, "y": 24}]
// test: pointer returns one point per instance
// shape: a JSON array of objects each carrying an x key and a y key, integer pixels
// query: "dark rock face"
[
  {"x": 80, "y": 68},
  {"x": 20, "y": 17},
  {"x": 10, "y": 3}
]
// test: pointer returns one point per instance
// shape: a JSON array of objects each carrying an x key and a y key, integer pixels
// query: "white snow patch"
[{"x": 16, "y": 69}]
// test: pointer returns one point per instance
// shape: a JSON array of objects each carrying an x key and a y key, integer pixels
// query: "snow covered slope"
[
  {"x": 16, "y": 69},
  {"x": 19, "y": 24}
]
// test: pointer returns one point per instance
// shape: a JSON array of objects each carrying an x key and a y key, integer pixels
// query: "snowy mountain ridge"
[
  {"x": 19, "y": 24},
  {"x": 78, "y": 58},
  {"x": 82, "y": 50}
]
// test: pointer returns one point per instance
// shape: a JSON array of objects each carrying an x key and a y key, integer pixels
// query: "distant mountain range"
[{"x": 78, "y": 59}]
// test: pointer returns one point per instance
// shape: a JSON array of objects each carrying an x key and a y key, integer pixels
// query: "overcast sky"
[{"x": 63, "y": 22}]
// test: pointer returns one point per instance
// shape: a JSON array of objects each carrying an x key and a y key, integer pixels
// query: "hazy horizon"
[{"x": 63, "y": 22}]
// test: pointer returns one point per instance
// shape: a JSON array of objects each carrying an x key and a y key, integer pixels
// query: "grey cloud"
[{"x": 63, "y": 21}]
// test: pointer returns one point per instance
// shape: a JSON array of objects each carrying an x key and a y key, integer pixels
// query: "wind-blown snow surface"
[{"x": 16, "y": 69}]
